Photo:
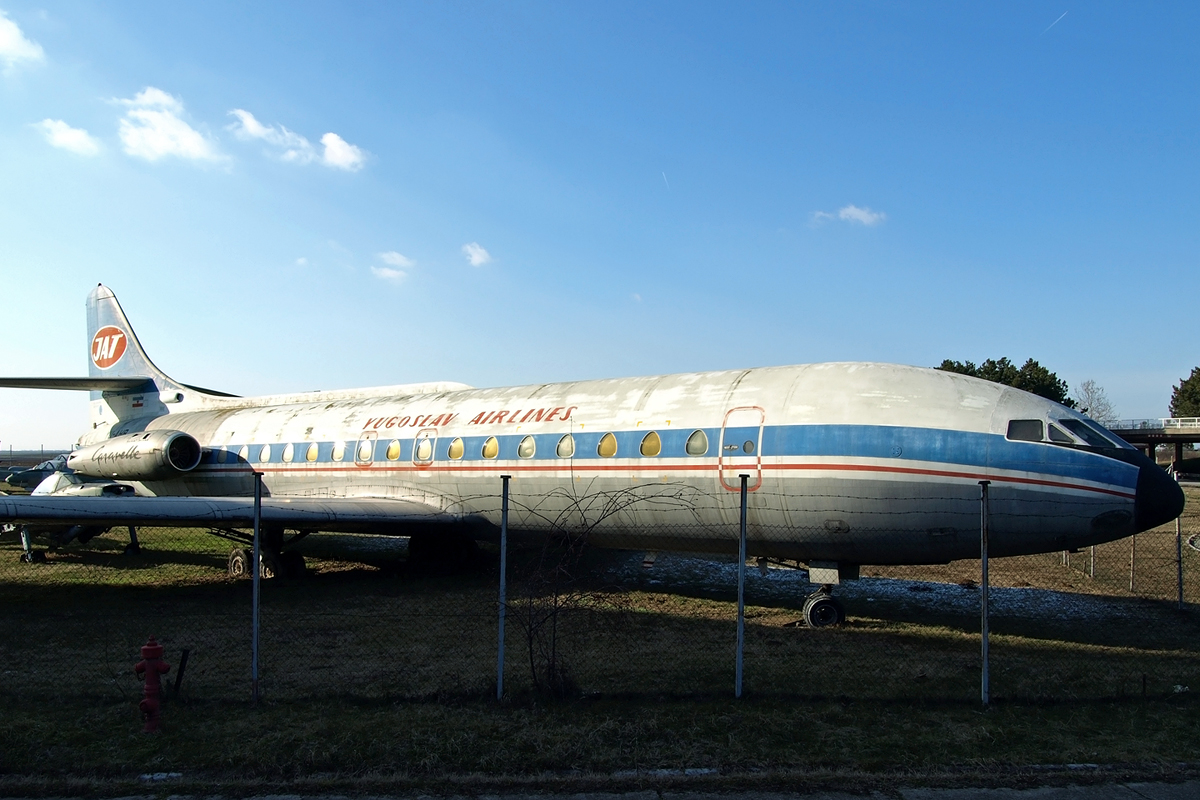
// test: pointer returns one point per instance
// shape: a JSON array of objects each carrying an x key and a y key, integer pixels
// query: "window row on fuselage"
[{"x": 424, "y": 449}]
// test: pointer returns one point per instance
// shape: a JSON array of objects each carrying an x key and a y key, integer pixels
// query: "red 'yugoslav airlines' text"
[{"x": 517, "y": 417}]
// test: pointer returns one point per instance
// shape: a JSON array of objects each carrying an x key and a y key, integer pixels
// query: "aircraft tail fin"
[{"x": 114, "y": 352}]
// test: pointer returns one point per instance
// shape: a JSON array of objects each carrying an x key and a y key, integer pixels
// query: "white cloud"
[
  {"x": 294, "y": 146},
  {"x": 637, "y": 298},
  {"x": 60, "y": 134},
  {"x": 341, "y": 154},
  {"x": 301, "y": 262},
  {"x": 14, "y": 47},
  {"x": 850, "y": 213},
  {"x": 396, "y": 260},
  {"x": 476, "y": 254},
  {"x": 864, "y": 215},
  {"x": 389, "y": 274},
  {"x": 152, "y": 129}
]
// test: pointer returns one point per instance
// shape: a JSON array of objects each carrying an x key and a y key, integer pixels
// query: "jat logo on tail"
[{"x": 108, "y": 345}]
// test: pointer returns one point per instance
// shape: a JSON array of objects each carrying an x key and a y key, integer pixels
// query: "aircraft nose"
[{"x": 1159, "y": 498}]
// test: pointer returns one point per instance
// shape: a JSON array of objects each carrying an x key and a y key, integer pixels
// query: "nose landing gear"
[{"x": 822, "y": 609}]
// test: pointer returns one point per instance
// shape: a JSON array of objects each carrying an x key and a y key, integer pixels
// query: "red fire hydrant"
[{"x": 151, "y": 669}]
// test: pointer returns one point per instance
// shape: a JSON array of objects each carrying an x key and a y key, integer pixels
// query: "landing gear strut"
[
  {"x": 274, "y": 561},
  {"x": 822, "y": 609}
]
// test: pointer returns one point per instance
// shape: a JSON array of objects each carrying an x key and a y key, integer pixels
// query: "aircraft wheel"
[
  {"x": 292, "y": 564},
  {"x": 33, "y": 557},
  {"x": 823, "y": 611},
  {"x": 239, "y": 563},
  {"x": 270, "y": 565},
  {"x": 133, "y": 549}
]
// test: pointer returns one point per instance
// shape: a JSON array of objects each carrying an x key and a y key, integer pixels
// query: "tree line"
[{"x": 1089, "y": 397}]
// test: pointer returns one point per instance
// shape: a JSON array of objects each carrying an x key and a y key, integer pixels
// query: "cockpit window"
[
  {"x": 1087, "y": 433},
  {"x": 1025, "y": 430},
  {"x": 1060, "y": 436}
]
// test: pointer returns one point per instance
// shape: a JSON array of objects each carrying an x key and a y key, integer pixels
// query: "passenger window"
[
  {"x": 264, "y": 455},
  {"x": 288, "y": 453},
  {"x": 697, "y": 444},
  {"x": 1025, "y": 430},
  {"x": 1057, "y": 434},
  {"x": 314, "y": 450},
  {"x": 339, "y": 451},
  {"x": 566, "y": 446},
  {"x": 455, "y": 450},
  {"x": 527, "y": 447},
  {"x": 424, "y": 451},
  {"x": 491, "y": 448},
  {"x": 393, "y": 450},
  {"x": 244, "y": 453},
  {"x": 608, "y": 446},
  {"x": 222, "y": 454},
  {"x": 651, "y": 444},
  {"x": 366, "y": 450}
]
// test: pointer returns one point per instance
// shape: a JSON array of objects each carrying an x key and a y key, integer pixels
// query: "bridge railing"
[{"x": 1161, "y": 423}]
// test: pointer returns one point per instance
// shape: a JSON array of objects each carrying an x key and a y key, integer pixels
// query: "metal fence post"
[
  {"x": 503, "y": 583},
  {"x": 1179, "y": 554},
  {"x": 741, "y": 605},
  {"x": 985, "y": 693},
  {"x": 255, "y": 579},
  {"x": 1132, "y": 560}
]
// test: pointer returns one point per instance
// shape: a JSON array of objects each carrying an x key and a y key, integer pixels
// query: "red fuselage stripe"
[{"x": 304, "y": 469}]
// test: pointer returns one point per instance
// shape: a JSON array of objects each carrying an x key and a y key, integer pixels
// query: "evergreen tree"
[
  {"x": 1185, "y": 398},
  {"x": 1032, "y": 377}
]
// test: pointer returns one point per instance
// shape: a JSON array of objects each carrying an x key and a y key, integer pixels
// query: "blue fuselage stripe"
[{"x": 895, "y": 444}]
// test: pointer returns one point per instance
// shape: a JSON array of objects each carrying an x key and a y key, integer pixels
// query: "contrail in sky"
[
  {"x": 1052, "y": 24},
  {"x": 666, "y": 182}
]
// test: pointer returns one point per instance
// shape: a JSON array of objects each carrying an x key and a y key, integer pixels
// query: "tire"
[
  {"x": 239, "y": 564},
  {"x": 823, "y": 612},
  {"x": 269, "y": 565}
]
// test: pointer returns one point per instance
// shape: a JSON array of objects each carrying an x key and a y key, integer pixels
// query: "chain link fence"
[{"x": 364, "y": 621}]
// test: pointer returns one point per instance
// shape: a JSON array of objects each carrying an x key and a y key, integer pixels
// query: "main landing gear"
[
  {"x": 274, "y": 561},
  {"x": 289, "y": 564},
  {"x": 822, "y": 609}
]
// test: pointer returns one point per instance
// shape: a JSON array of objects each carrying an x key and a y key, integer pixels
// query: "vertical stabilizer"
[
  {"x": 115, "y": 352},
  {"x": 113, "y": 348}
]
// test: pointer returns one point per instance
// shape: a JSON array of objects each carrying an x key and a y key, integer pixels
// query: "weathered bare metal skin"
[{"x": 846, "y": 462}]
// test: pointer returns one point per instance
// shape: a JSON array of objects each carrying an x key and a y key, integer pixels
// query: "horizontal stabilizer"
[
  {"x": 348, "y": 515},
  {"x": 76, "y": 384}
]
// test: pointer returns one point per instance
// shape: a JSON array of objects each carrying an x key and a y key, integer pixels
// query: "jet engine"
[{"x": 146, "y": 456}]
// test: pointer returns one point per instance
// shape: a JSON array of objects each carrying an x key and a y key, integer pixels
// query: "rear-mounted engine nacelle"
[{"x": 146, "y": 456}]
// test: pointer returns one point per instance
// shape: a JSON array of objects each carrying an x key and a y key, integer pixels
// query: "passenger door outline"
[{"x": 743, "y": 456}]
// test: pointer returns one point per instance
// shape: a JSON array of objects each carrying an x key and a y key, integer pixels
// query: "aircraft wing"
[{"x": 350, "y": 515}]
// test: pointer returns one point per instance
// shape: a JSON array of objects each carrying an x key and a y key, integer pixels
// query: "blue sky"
[{"x": 323, "y": 195}]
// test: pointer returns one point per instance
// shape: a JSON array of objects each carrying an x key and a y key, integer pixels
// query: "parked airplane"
[{"x": 847, "y": 463}]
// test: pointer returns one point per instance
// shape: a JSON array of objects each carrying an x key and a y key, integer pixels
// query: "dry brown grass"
[{"x": 388, "y": 677}]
